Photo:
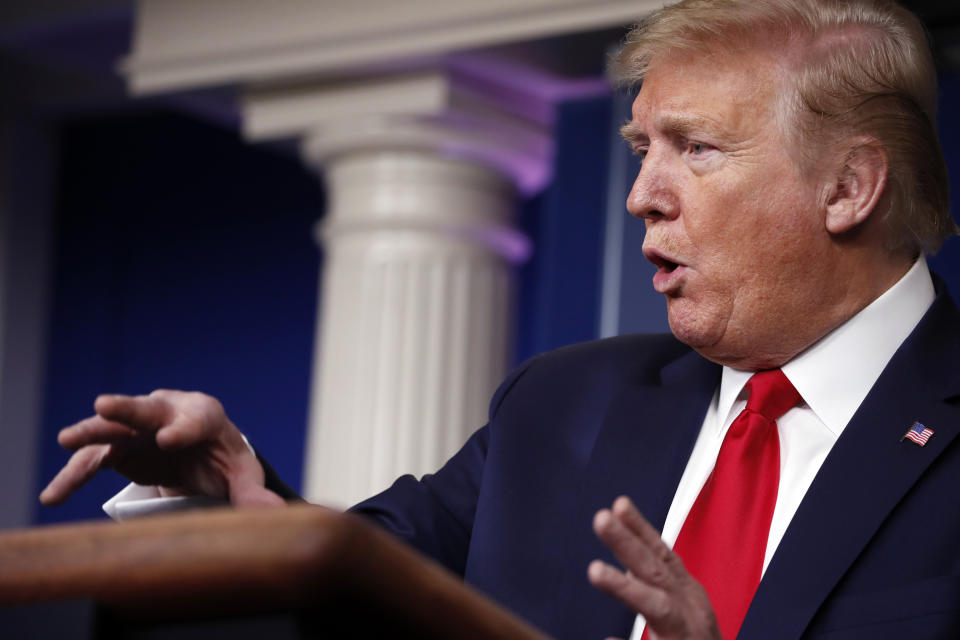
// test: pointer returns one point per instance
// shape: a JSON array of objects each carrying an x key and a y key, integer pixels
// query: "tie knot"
[{"x": 771, "y": 394}]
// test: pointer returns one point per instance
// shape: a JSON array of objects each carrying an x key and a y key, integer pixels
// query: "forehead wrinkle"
[
  {"x": 727, "y": 115},
  {"x": 680, "y": 120}
]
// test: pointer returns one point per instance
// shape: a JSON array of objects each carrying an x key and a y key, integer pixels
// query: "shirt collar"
[{"x": 835, "y": 374}]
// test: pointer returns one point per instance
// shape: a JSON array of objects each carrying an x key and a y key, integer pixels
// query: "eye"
[{"x": 697, "y": 148}]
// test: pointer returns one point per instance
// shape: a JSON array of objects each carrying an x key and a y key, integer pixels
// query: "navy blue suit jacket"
[{"x": 872, "y": 551}]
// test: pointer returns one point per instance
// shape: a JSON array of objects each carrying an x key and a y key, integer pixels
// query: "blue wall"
[
  {"x": 185, "y": 260},
  {"x": 947, "y": 261},
  {"x": 559, "y": 292}
]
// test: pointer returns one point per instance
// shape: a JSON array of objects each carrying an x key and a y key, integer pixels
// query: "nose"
[{"x": 654, "y": 194}]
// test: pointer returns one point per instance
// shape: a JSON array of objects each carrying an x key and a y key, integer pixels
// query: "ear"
[{"x": 857, "y": 186}]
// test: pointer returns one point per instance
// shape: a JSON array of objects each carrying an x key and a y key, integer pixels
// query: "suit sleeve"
[
  {"x": 273, "y": 481},
  {"x": 436, "y": 513}
]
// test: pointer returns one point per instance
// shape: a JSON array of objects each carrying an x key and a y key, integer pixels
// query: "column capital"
[
  {"x": 409, "y": 191},
  {"x": 522, "y": 154},
  {"x": 478, "y": 110}
]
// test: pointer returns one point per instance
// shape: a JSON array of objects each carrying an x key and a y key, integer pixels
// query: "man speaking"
[{"x": 785, "y": 461}]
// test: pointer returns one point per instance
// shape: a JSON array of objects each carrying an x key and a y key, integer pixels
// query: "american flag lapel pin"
[{"x": 918, "y": 433}]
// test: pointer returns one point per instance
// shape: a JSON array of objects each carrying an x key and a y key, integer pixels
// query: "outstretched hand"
[
  {"x": 182, "y": 442},
  {"x": 655, "y": 583}
]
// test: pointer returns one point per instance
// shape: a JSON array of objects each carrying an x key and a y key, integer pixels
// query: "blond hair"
[{"x": 862, "y": 68}]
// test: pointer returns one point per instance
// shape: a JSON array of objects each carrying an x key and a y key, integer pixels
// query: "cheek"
[
  {"x": 722, "y": 209},
  {"x": 749, "y": 228}
]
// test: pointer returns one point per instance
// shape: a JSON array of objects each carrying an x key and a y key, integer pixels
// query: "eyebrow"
[
  {"x": 679, "y": 125},
  {"x": 631, "y": 132}
]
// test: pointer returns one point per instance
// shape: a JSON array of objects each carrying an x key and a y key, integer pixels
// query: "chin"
[
  {"x": 692, "y": 335},
  {"x": 705, "y": 335},
  {"x": 693, "y": 324}
]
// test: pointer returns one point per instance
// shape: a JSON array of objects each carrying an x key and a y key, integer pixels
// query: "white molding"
[
  {"x": 180, "y": 44},
  {"x": 290, "y": 111}
]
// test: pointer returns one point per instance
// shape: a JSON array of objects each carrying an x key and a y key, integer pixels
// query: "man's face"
[{"x": 736, "y": 231}]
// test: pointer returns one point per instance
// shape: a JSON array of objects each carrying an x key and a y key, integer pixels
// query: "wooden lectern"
[{"x": 296, "y": 572}]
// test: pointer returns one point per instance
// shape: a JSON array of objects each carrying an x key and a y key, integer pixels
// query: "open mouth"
[
  {"x": 662, "y": 263},
  {"x": 669, "y": 275}
]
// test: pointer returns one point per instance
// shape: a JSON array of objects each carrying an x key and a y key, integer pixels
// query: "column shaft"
[{"x": 413, "y": 326}]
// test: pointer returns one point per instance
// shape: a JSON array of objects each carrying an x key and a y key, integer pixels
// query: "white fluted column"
[{"x": 414, "y": 321}]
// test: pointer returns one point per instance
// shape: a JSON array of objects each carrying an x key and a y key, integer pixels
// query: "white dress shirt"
[{"x": 833, "y": 377}]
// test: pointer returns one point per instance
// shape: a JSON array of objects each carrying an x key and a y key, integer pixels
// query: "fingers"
[
  {"x": 93, "y": 430},
  {"x": 192, "y": 418},
  {"x": 120, "y": 418},
  {"x": 636, "y": 595},
  {"x": 655, "y": 583},
  {"x": 627, "y": 513},
  {"x": 82, "y": 466},
  {"x": 636, "y": 544},
  {"x": 627, "y": 534},
  {"x": 179, "y": 419},
  {"x": 175, "y": 439},
  {"x": 147, "y": 413}
]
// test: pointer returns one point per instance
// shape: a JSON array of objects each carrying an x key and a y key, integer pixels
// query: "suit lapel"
[
  {"x": 866, "y": 474},
  {"x": 641, "y": 451}
]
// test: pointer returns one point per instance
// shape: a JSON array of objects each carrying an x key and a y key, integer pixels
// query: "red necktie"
[{"x": 724, "y": 538}]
